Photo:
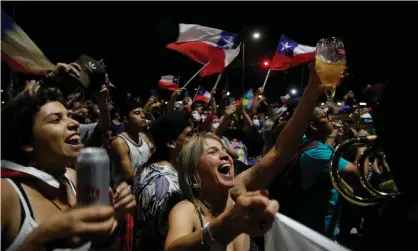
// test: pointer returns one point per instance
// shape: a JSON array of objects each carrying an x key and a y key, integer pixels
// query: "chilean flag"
[
  {"x": 202, "y": 95},
  {"x": 289, "y": 54},
  {"x": 169, "y": 82},
  {"x": 19, "y": 51},
  {"x": 204, "y": 44}
]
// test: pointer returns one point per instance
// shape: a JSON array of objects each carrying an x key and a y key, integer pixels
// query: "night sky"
[{"x": 131, "y": 37}]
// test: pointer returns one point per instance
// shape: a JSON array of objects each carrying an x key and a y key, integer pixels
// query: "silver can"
[{"x": 93, "y": 177}]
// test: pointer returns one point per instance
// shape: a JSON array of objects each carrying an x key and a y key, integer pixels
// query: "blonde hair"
[{"x": 188, "y": 162}]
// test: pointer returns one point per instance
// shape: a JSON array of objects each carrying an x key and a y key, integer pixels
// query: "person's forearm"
[
  {"x": 214, "y": 110},
  {"x": 254, "y": 105},
  {"x": 223, "y": 124},
  {"x": 247, "y": 119},
  {"x": 35, "y": 240},
  {"x": 223, "y": 229},
  {"x": 286, "y": 145},
  {"x": 104, "y": 118}
]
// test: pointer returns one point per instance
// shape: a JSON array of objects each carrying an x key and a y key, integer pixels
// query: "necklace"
[{"x": 67, "y": 205}]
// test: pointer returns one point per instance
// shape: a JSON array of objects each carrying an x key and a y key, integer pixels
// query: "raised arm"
[
  {"x": 213, "y": 101},
  {"x": 260, "y": 175},
  {"x": 225, "y": 119}
]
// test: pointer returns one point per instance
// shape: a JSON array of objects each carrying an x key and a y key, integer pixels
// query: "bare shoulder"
[
  {"x": 184, "y": 207},
  {"x": 8, "y": 194},
  {"x": 119, "y": 145},
  {"x": 10, "y": 209}
]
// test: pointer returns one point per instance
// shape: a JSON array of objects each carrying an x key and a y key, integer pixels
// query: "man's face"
[
  {"x": 322, "y": 122},
  {"x": 137, "y": 117}
]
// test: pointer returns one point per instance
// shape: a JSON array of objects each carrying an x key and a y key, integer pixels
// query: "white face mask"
[
  {"x": 215, "y": 125},
  {"x": 256, "y": 123},
  {"x": 196, "y": 116},
  {"x": 204, "y": 118}
]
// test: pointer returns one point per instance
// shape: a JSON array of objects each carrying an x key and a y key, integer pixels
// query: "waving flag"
[
  {"x": 169, "y": 82},
  {"x": 247, "y": 99},
  {"x": 19, "y": 51},
  {"x": 202, "y": 95},
  {"x": 289, "y": 54},
  {"x": 204, "y": 44}
]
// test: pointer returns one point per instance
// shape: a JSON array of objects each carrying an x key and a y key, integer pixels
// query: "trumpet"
[{"x": 374, "y": 196}]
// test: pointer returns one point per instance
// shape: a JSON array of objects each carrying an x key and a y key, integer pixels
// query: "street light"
[
  {"x": 293, "y": 91},
  {"x": 256, "y": 35}
]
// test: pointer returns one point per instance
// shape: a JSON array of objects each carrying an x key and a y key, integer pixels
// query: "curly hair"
[{"x": 18, "y": 120}]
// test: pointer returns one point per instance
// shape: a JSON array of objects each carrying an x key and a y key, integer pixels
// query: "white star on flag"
[{"x": 285, "y": 46}]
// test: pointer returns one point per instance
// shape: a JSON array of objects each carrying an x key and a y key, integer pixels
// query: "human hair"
[
  {"x": 18, "y": 118},
  {"x": 316, "y": 113},
  {"x": 189, "y": 179},
  {"x": 129, "y": 106}
]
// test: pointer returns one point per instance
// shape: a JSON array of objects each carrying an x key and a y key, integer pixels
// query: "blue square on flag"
[
  {"x": 286, "y": 46},
  {"x": 227, "y": 40}
]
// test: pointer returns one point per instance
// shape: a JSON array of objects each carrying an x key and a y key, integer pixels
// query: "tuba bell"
[{"x": 374, "y": 196}]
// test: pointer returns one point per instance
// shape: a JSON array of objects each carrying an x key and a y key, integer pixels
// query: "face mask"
[
  {"x": 196, "y": 116},
  {"x": 256, "y": 123},
  {"x": 204, "y": 118},
  {"x": 215, "y": 126}
]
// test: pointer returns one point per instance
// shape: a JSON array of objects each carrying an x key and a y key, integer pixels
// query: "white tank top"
[
  {"x": 138, "y": 154},
  {"x": 29, "y": 223}
]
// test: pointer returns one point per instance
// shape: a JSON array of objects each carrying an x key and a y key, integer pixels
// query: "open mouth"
[
  {"x": 73, "y": 139},
  {"x": 225, "y": 169}
]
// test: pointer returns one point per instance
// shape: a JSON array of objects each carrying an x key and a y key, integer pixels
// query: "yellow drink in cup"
[{"x": 330, "y": 73}]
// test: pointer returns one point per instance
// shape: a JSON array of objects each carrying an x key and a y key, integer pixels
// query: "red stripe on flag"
[
  {"x": 167, "y": 86},
  {"x": 282, "y": 62},
  {"x": 16, "y": 66},
  {"x": 203, "y": 53},
  {"x": 202, "y": 98}
]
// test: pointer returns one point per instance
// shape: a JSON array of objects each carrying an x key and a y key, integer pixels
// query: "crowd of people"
[{"x": 185, "y": 175}]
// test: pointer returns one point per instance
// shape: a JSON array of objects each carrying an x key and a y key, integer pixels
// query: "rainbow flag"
[
  {"x": 247, "y": 99},
  {"x": 19, "y": 51}
]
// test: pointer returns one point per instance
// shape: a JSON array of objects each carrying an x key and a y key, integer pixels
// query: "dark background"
[{"x": 131, "y": 38}]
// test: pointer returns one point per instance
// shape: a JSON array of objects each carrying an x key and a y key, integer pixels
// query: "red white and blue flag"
[
  {"x": 202, "y": 95},
  {"x": 290, "y": 53},
  {"x": 19, "y": 51},
  {"x": 203, "y": 44},
  {"x": 169, "y": 82}
]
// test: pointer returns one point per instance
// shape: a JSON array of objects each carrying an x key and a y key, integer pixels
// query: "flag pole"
[
  {"x": 198, "y": 88},
  {"x": 219, "y": 78},
  {"x": 201, "y": 69},
  {"x": 267, "y": 76}
]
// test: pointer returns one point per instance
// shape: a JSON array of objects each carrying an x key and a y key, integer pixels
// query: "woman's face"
[
  {"x": 196, "y": 115},
  {"x": 215, "y": 166},
  {"x": 56, "y": 141}
]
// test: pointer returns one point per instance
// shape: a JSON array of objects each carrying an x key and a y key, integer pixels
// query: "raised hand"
[
  {"x": 177, "y": 93},
  {"x": 75, "y": 227},
  {"x": 230, "y": 109},
  {"x": 64, "y": 70},
  {"x": 254, "y": 212},
  {"x": 123, "y": 199}
]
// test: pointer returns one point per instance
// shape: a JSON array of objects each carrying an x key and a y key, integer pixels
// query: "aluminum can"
[{"x": 93, "y": 178}]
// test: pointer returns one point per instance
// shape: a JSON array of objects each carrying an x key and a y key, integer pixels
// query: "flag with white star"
[
  {"x": 205, "y": 44},
  {"x": 290, "y": 53}
]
